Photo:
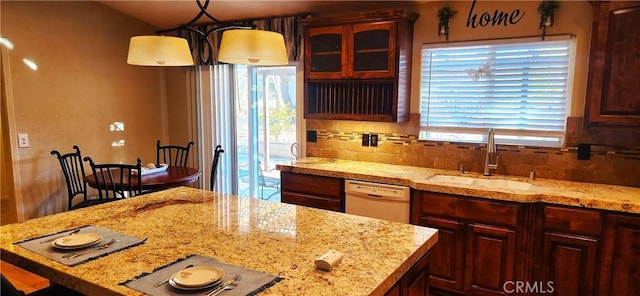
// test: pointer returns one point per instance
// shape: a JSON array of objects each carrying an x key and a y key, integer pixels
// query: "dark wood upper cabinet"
[
  {"x": 613, "y": 89},
  {"x": 359, "y": 67},
  {"x": 351, "y": 51}
]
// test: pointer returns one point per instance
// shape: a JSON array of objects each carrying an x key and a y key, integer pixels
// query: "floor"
[{"x": 22, "y": 279}]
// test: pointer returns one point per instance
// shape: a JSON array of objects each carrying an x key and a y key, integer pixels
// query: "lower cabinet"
[
  {"x": 313, "y": 191},
  {"x": 416, "y": 281},
  {"x": 490, "y": 259},
  {"x": 477, "y": 249},
  {"x": 571, "y": 237},
  {"x": 490, "y": 247},
  {"x": 569, "y": 264},
  {"x": 447, "y": 256},
  {"x": 620, "y": 271}
]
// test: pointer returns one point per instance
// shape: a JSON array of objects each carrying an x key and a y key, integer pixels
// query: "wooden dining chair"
[
  {"x": 173, "y": 155},
  {"x": 214, "y": 166},
  {"x": 73, "y": 170},
  {"x": 115, "y": 180}
]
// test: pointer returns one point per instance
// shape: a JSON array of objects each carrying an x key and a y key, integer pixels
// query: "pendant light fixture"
[
  {"x": 159, "y": 51},
  {"x": 240, "y": 44}
]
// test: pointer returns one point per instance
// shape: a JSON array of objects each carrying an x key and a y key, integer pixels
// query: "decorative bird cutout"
[{"x": 483, "y": 70}]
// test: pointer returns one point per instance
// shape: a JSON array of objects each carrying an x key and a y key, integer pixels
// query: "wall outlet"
[
  {"x": 312, "y": 136},
  {"x": 584, "y": 151},
  {"x": 365, "y": 139},
  {"x": 373, "y": 140},
  {"x": 23, "y": 140}
]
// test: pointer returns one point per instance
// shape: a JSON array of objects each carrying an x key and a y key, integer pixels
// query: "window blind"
[{"x": 519, "y": 87}]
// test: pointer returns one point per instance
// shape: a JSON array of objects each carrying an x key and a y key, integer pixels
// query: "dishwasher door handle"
[{"x": 374, "y": 196}]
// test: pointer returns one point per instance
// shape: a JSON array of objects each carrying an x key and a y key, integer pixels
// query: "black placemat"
[
  {"x": 43, "y": 245},
  {"x": 251, "y": 281}
]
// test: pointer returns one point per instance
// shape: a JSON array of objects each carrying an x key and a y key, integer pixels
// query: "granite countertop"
[
  {"x": 272, "y": 237},
  {"x": 589, "y": 195}
]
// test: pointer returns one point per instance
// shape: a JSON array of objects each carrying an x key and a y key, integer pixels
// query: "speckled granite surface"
[
  {"x": 277, "y": 238},
  {"x": 590, "y": 195}
]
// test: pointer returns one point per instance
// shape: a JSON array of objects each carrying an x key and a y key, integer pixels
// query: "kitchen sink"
[{"x": 491, "y": 183}]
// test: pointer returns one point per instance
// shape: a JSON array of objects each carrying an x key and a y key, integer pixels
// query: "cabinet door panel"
[
  {"x": 620, "y": 273},
  {"x": 569, "y": 263},
  {"x": 394, "y": 291},
  {"x": 373, "y": 50},
  {"x": 490, "y": 259},
  {"x": 416, "y": 281},
  {"x": 325, "y": 52},
  {"x": 620, "y": 96},
  {"x": 614, "y": 85},
  {"x": 447, "y": 255}
]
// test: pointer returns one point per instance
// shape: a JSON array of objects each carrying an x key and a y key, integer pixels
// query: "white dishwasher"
[{"x": 376, "y": 200}]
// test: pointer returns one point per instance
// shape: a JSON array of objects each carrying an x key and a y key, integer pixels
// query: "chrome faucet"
[{"x": 492, "y": 152}]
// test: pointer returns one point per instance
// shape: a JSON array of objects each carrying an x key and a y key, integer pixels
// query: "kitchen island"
[{"x": 276, "y": 238}]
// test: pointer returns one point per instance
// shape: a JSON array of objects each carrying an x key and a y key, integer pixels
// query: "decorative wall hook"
[
  {"x": 547, "y": 10},
  {"x": 444, "y": 15}
]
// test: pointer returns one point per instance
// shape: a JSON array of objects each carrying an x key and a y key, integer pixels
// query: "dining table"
[
  {"x": 176, "y": 228},
  {"x": 173, "y": 176}
]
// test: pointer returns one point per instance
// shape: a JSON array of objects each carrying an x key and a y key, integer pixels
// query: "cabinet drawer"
[
  {"x": 574, "y": 220},
  {"x": 464, "y": 208},
  {"x": 326, "y": 203},
  {"x": 317, "y": 185}
]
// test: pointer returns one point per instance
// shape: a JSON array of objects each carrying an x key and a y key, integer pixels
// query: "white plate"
[
  {"x": 197, "y": 277},
  {"x": 77, "y": 241},
  {"x": 145, "y": 171},
  {"x": 181, "y": 287}
]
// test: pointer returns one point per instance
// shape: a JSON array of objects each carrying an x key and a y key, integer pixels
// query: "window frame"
[{"x": 502, "y": 135}]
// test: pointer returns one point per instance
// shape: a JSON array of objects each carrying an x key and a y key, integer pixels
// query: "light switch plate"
[
  {"x": 373, "y": 140},
  {"x": 365, "y": 139},
  {"x": 312, "y": 136},
  {"x": 23, "y": 140}
]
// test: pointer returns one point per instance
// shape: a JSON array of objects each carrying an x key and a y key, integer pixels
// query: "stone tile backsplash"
[{"x": 398, "y": 144}]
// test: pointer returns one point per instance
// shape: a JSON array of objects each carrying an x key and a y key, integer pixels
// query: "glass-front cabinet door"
[
  {"x": 352, "y": 51},
  {"x": 372, "y": 50},
  {"x": 326, "y": 53}
]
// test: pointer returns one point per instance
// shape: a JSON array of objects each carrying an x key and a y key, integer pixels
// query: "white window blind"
[{"x": 519, "y": 87}]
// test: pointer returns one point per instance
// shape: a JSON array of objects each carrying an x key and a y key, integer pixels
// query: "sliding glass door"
[{"x": 266, "y": 127}]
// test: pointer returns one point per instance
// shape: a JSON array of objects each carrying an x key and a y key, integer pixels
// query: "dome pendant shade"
[
  {"x": 159, "y": 51},
  {"x": 252, "y": 47}
]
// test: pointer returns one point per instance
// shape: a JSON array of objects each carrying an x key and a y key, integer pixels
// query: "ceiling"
[{"x": 164, "y": 14}]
